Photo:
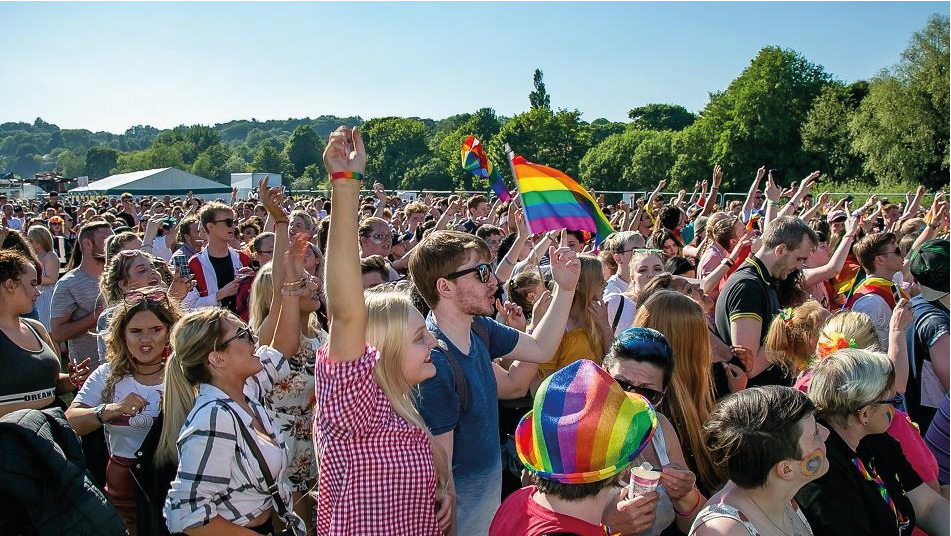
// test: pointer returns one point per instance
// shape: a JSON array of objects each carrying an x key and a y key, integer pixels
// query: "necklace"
[{"x": 773, "y": 523}]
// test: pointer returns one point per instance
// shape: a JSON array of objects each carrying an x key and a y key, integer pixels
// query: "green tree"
[
  {"x": 270, "y": 160},
  {"x": 211, "y": 163},
  {"x": 901, "y": 127},
  {"x": 826, "y": 132},
  {"x": 430, "y": 175},
  {"x": 394, "y": 145},
  {"x": 303, "y": 149},
  {"x": 71, "y": 164},
  {"x": 558, "y": 140},
  {"x": 607, "y": 166},
  {"x": 661, "y": 117},
  {"x": 653, "y": 160},
  {"x": 602, "y": 128},
  {"x": 539, "y": 98},
  {"x": 100, "y": 160},
  {"x": 758, "y": 119}
]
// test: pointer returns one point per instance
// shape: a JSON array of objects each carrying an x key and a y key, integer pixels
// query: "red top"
[
  {"x": 376, "y": 473},
  {"x": 520, "y": 515}
]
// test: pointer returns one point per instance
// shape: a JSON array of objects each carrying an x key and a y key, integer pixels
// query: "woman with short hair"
[
  {"x": 870, "y": 487},
  {"x": 770, "y": 444}
]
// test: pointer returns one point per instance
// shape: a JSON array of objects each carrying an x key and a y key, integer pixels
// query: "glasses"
[
  {"x": 896, "y": 252},
  {"x": 129, "y": 253},
  {"x": 151, "y": 295},
  {"x": 897, "y": 399},
  {"x": 379, "y": 238},
  {"x": 484, "y": 270},
  {"x": 244, "y": 333},
  {"x": 652, "y": 396},
  {"x": 227, "y": 221}
]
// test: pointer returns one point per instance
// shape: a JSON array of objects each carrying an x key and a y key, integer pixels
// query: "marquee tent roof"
[{"x": 162, "y": 181}]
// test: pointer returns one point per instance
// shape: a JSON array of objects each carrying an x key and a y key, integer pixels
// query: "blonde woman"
[
  {"x": 645, "y": 265},
  {"x": 42, "y": 241},
  {"x": 228, "y": 450},
  {"x": 792, "y": 336},
  {"x": 377, "y": 351},
  {"x": 689, "y": 398}
]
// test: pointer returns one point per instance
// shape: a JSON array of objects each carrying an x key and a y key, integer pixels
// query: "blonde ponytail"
[{"x": 192, "y": 338}]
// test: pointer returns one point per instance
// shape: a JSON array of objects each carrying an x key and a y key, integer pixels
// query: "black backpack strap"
[
  {"x": 617, "y": 315},
  {"x": 459, "y": 377}
]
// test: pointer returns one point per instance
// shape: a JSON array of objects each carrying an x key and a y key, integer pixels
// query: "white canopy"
[{"x": 162, "y": 181}]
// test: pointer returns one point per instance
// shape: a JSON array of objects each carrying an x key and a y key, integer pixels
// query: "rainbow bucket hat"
[{"x": 583, "y": 427}]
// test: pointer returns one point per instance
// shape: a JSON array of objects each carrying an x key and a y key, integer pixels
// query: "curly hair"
[
  {"x": 117, "y": 351},
  {"x": 12, "y": 264},
  {"x": 116, "y": 271}
]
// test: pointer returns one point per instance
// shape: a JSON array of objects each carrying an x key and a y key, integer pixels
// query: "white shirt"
[{"x": 125, "y": 434}]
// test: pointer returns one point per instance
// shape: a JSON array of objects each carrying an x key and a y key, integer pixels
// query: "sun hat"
[
  {"x": 837, "y": 215},
  {"x": 929, "y": 265},
  {"x": 583, "y": 427}
]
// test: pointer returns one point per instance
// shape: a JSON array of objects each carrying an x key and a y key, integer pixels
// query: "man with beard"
[
  {"x": 76, "y": 304},
  {"x": 453, "y": 273},
  {"x": 749, "y": 300}
]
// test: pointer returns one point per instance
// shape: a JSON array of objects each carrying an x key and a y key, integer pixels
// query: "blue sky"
[{"x": 108, "y": 66}]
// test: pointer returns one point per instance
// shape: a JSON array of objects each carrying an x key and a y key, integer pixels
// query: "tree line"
[{"x": 783, "y": 111}]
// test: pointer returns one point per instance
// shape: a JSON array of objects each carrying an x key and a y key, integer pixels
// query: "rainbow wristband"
[{"x": 355, "y": 175}]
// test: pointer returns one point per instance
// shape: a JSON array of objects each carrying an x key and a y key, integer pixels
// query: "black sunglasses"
[
  {"x": 227, "y": 221},
  {"x": 897, "y": 399},
  {"x": 243, "y": 333},
  {"x": 484, "y": 269},
  {"x": 652, "y": 396}
]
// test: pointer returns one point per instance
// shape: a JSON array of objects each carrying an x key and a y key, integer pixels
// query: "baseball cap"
[
  {"x": 837, "y": 215},
  {"x": 929, "y": 265}
]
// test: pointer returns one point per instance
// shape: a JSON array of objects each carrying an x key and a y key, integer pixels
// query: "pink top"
[
  {"x": 903, "y": 430},
  {"x": 376, "y": 472}
]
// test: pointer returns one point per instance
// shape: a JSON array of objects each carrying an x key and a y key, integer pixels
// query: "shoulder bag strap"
[
  {"x": 265, "y": 471},
  {"x": 617, "y": 315}
]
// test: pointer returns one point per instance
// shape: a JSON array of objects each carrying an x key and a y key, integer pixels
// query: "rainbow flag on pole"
[
  {"x": 475, "y": 160},
  {"x": 553, "y": 200}
]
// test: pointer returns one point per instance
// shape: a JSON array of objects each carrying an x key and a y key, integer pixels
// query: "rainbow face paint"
[{"x": 811, "y": 464}]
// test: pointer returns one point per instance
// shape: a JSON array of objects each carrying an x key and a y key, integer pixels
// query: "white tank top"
[{"x": 272, "y": 453}]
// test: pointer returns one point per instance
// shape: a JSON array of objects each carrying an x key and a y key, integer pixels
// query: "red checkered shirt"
[{"x": 376, "y": 472}]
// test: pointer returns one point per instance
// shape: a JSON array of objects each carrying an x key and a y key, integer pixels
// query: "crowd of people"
[{"x": 364, "y": 364}]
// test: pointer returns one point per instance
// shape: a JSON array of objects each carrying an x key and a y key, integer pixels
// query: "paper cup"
[{"x": 643, "y": 480}]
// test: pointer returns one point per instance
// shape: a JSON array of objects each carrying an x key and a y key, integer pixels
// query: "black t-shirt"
[
  {"x": 56, "y": 206},
  {"x": 127, "y": 218},
  {"x": 750, "y": 292},
  {"x": 843, "y": 502},
  {"x": 224, "y": 274}
]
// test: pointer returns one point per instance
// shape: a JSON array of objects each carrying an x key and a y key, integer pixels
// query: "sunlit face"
[
  {"x": 248, "y": 234},
  {"x": 472, "y": 296},
  {"x": 312, "y": 260},
  {"x": 812, "y": 445},
  {"x": 494, "y": 241},
  {"x": 298, "y": 225},
  {"x": 793, "y": 259},
  {"x": 415, "y": 219},
  {"x": 417, "y": 365},
  {"x": 379, "y": 241},
  {"x": 146, "y": 337},
  {"x": 219, "y": 228},
  {"x": 644, "y": 268},
  {"x": 266, "y": 250},
  {"x": 892, "y": 257},
  {"x": 236, "y": 347},
  {"x": 670, "y": 248},
  {"x": 819, "y": 256},
  {"x": 21, "y": 293},
  {"x": 574, "y": 244},
  {"x": 837, "y": 227},
  {"x": 481, "y": 210},
  {"x": 141, "y": 273}
]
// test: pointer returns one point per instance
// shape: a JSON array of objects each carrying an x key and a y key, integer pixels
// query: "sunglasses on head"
[
  {"x": 137, "y": 296},
  {"x": 244, "y": 333},
  {"x": 652, "y": 396},
  {"x": 227, "y": 221},
  {"x": 484, "y": 270},
  {"x": 897, "y": 399}
]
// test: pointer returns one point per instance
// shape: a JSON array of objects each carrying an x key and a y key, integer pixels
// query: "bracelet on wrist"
[
  {"x": 353, "y": 175},
  {"x": 300, "y": 283},
  {"x": 728, "y": 262},
  {"x": 100, "y": 409},
  {"x": 696, "y": 505}
]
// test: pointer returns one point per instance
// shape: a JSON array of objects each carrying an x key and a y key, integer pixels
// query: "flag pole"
[{"x": 509, "y": 155}]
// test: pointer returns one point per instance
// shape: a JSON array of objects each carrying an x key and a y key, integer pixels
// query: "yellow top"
[{"x": 575, "y": 344}]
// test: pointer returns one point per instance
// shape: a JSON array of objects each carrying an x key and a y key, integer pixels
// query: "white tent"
[{"x": 163, "y": 181}]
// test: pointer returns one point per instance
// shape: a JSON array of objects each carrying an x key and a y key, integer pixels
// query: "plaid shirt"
[
  {"x": 376, "y": 473},
  {"x": 217, "y": 473}
]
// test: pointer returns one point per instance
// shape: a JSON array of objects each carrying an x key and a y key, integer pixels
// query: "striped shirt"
[{"x": 217, "y": 473}]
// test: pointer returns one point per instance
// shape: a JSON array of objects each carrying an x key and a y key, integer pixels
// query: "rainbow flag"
[
  {"x": 475, "y": 160},
  {"x": 754, "y": 217},
  {"x": 553, "y": 200}
]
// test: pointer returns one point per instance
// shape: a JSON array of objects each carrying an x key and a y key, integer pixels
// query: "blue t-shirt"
[{"x": 476, "y": 462}]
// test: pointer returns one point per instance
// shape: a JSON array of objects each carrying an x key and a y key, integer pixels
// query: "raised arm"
[
  {"x": 660, "y": 186},
  {"x": 345, "y": 157},
  {"x": 837, "y": 261},
  {"x": 807, "y": 183},
  {"x": 286, "y": 338},
  {"x": 717, "y": 180},
  {"x": 748, "y": 205},
  {"x": 504, "y": 269},
  {"x": 270, "y": 198}
]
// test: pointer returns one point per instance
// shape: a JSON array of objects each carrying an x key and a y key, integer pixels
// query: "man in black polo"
[{"x": 748, "y": 301}]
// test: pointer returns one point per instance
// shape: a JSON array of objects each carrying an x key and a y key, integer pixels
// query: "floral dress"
[{"x": 292, "y": 405}]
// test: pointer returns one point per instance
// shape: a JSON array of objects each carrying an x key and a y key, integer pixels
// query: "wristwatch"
[{"x": 100, "y": 409}]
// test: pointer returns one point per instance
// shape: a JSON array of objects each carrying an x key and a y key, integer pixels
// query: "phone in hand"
[
  {"x": 181, "y": 262},
  {"x": 849, "y": 198}
]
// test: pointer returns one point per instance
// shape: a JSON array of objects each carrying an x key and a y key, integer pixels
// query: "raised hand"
[
  {"x": 345, "y": 151},
  {"x": 760, "y": 173},
  {"x": 565, "y": 266},
  {"x": 772, "y": 191},
  {"x": 180, "y": 286},
  {"x": 512, "y": 314},
  {"x": 902, "y": 316},
  {"x": 717, "y": 176}
]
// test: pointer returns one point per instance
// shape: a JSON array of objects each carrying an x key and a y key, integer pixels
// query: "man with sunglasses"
[
  {"x": 219, "y": 269},
  {"x": 879, "y": 255},
  {"x": 452, "y": 272}
]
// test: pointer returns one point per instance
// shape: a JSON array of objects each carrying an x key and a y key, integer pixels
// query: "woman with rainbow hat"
[{"x": 581, "y": 434}]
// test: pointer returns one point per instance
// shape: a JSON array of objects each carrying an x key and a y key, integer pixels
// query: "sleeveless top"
[
  {"x": 36, "y": 372},
  {"x": 713, "y": 511},
  {"x": 664, "y": 511}
]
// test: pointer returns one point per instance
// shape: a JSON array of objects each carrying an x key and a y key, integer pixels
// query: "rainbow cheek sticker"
[{"x": 812, "y": 463}]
